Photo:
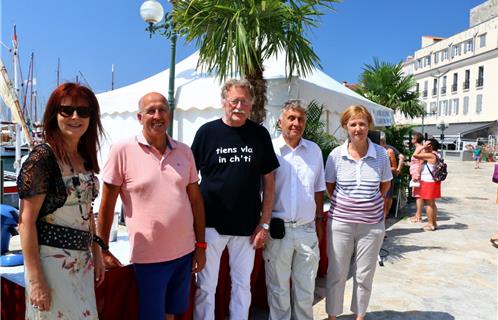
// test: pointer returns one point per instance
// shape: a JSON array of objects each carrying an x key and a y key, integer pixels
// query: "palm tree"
[
  {"x": 385, "y": 84},
  {"x": 316, "y": 130},
  {"x": 236, "y": 37}
]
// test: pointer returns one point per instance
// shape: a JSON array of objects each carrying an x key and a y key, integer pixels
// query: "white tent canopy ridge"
[{"x": 198, "y": 100}]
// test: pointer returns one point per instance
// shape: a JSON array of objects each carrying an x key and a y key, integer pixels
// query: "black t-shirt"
[{"x": 231, "y": 161}]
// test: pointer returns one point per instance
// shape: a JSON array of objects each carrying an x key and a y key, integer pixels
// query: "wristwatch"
[{"x": 265, "y": 226}]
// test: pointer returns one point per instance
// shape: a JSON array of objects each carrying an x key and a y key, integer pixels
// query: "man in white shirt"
[{"x": 299, "y": 186}]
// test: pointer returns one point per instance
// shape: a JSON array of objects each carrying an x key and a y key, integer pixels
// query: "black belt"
[{"x": 54, "y": 235}]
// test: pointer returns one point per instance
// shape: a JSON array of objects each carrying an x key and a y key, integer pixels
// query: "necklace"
[{"x": 76, "y": 183}]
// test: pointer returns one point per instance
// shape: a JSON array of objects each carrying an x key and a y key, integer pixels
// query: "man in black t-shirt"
[{"x": 236, "y": 160}]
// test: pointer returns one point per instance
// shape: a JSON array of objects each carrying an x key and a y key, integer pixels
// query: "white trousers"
[
  {"x": 354, "y": 245},
  {"x": 241, "y": 259},
  {"x": 294, "y": 257}
]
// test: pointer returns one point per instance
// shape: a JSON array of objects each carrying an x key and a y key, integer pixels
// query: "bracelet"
[
  {"x": 202, "y": 245},
  {"x": 98, "y": 240}
]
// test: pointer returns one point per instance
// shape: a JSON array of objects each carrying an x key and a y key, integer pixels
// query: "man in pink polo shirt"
[{"x": 156, "y": 178}]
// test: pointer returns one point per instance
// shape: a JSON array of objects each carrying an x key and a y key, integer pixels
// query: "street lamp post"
[
  {"x": 152, "y": 12},
  {"x": 442, "y": 126}
]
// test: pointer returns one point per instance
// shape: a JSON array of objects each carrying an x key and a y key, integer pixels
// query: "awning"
[{"x": 456, "y": 129}]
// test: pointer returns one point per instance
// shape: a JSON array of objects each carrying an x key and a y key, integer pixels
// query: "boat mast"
[
  {"x": 112, "y": 79},
  {"x": 58, "y": 70}
]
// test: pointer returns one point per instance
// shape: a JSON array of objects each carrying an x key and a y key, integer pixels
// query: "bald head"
[{"x": 152, "y": 97}]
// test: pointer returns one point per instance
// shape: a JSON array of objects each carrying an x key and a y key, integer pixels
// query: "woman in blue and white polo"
[{"x": 358, "y": 176}]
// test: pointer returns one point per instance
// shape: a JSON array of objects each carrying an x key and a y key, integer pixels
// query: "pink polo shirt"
[{"x": 154, "y": 194}]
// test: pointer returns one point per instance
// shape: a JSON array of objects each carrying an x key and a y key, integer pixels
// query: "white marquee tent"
[{"x": 197, "y": 99}]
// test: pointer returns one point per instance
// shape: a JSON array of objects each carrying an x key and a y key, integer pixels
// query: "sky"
[{"x": 90, "y": 36}]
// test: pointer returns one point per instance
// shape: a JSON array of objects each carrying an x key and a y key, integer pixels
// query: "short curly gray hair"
[{"x": 240, "y": 83}]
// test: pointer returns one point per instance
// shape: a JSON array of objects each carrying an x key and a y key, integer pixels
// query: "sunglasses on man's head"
[{"x": 68, "y": 111}]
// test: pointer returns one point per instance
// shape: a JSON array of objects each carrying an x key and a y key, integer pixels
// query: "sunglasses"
[{"x": 68, "y": 111}]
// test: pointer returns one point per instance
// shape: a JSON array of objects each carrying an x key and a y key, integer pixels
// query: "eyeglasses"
[
  {"x": 235, "y": 102},
  {"x": 68, "y": 111}
]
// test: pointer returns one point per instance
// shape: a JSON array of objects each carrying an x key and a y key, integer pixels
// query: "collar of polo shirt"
[
  {"x": 370, "y": 152},
  {"x": 141, "y": 139}
]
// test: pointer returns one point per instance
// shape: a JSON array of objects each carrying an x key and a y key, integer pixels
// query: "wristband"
[
  {"x": 98, "y": 240},
  {"x": 202, "y": 245}
]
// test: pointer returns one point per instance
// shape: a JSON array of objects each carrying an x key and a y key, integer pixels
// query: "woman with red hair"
[{"x": 57, "y": 186}]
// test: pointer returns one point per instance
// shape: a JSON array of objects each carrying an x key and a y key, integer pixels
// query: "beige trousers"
[{"x": 355, "y": 246}]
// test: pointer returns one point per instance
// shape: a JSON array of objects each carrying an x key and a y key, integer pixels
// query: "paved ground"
[{"x": 447, "y": 274}]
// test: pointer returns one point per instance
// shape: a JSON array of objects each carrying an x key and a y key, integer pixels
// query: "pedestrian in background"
[
  {"x": 477, "y": 155},
  {"x": 415, "y": 170},
  {"x": 430, "y": 190},
  {"x": 396, "y": 160}
]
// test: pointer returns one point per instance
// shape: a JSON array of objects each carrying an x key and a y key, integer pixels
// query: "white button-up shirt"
[{"x": 299, "y": 177}]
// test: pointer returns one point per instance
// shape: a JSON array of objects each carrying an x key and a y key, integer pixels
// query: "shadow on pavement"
[
  {"x": 449, "y": 200},
  {"x": 397, "y": 252},
  {"x": 402, "y": 315}
]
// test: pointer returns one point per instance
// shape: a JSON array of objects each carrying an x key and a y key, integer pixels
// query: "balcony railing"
[
  {"x": 424, "y": 93},
  {"x": 434, "y": 91},
  {"x": 443, "y": 90},
  {"x": 479, "y": 82},
  {"x": 466, "y": 84},
  {"x": 454, "y": 87}
]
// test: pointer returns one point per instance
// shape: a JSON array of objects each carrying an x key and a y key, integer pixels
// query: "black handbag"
[{"x": 277, "y": 228}]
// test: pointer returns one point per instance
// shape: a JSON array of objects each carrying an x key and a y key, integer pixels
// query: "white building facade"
[{"x": 457, "y": 80}]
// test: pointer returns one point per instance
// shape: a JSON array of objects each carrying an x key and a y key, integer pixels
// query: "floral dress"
[{"x": 69, "y": 273}]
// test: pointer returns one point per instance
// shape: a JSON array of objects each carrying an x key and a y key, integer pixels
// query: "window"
[
  {"x": 480, "y": 77},
  {"x": 454, "y": 86},
  {"x": 443, "y": 108},
  {"x": 482, "y": 40},
  {"x": 434, "y": 88},
  {"x": 466, "y": 83},
  {"x": 433, "y": 107},
  {"x": 443, "y": 86},
  {"x": 465, "y": 105},
  {"x": 436, "y": 57},
  {"x": 426, "y": 84},
  {"x": 456, "y": 50},
  {"x": 479, "y": 103},
  {"x": 453, "y": 107},
  {"x": 468, "y": 46},
  {"x": 419, "y": 62},
  {"x": 428, "y": 60},
  {"x": 444, "y": 54},
  {"x": 418, "y": 87}
]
